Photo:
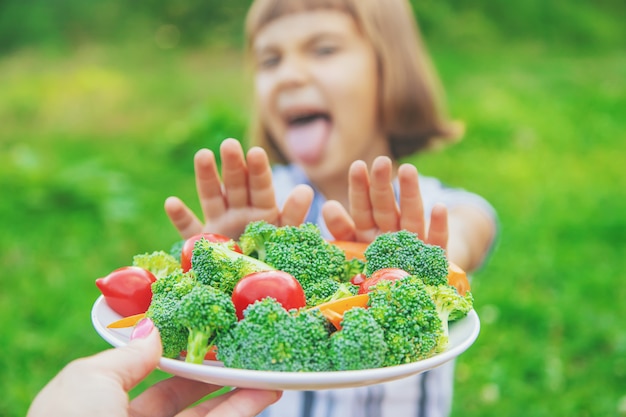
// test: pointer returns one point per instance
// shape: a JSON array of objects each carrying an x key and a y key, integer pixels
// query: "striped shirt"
[{"x": 425, "y": 395}]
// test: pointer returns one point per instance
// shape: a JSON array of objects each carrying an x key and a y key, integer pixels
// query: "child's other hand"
[
  {"x": 373, "y": 207},
  {"x": 244, "y": 193}
]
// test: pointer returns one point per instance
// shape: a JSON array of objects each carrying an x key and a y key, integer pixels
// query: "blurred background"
[{"x": 103, "y": 104}]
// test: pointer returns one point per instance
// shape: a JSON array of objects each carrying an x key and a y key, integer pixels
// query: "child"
[{"x": 339, "y": 86}]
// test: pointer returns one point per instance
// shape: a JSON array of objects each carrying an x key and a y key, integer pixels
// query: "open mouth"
[
  {"x": 303, "y": 119},
  {"x": 307, "y": 135}
]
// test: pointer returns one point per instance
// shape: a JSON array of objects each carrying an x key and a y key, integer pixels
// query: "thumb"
[{"x": 130, "y": 364}]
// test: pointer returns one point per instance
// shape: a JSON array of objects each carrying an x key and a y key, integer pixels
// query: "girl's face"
[{"x": 317, "y": 91}]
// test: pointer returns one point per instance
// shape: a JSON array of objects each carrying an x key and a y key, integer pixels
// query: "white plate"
[{"x": 462, "y": 334}]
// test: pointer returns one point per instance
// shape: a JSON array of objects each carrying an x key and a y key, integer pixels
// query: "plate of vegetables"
[{"x": 282, "y": 308}]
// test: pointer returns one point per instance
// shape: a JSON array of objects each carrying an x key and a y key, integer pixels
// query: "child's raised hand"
[
  {"x": 374, "y": 210},
  {"x": 244, "y": 193}
]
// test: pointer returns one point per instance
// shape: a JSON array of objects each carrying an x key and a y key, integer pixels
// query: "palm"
[
  {"x": 374, "y": 210},
  {"x": 243, "y": 193}
]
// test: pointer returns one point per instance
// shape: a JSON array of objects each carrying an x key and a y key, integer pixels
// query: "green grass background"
[{"x": 95, "y": 134}]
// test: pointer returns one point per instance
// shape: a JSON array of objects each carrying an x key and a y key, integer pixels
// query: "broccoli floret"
[
  {"x": 407, "y": 313},
  {"x": 345, "y": 289},
  {"x": 160, "y": 263},
  {"x": 252, "y": 240},
  {"x": 175, "y": 285},
  {"x": 360, "y": 344},
  {"x": 404, "y": 250},
  {"x": 351, "y": 267},
  {"x": 301, "y": 251},
  {"x": 272, "y": 339},
  {"x": 450, "y": 304},
  {"x": 173, "y": 336},
  {"x": 177, "y": 248},
  {"x": 312, "y": 330},
  {"x": 331, "y": 290},
  {"x": 205, "y": 312},
  {"x": 217, "y": 265},
  {"x": 322, "y": 291},
  {"x": 166, "y": 295},
  {"x": 305, "y": 254},
  {"x": 463, "y": 308}
]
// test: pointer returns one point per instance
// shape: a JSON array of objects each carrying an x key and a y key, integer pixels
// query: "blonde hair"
[{"x": 411, "y": 112}]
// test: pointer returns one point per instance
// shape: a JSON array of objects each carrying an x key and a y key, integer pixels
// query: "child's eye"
[
  {"x": 268, "y": 61},
  {"x": 323, "y": 50}
]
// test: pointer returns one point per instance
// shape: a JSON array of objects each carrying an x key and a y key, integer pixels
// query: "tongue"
[{"x": 306, "y": 141}]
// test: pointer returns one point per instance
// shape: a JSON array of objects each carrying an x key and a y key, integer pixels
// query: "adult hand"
[
  {"x": 99, "y": 385},
  {"x": 374, "y": 210},
  {"x": 244, "y": 193}
]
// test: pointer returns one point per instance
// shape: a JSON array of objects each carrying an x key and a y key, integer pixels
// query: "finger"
[
  {"x": 83, "y": 383},
  {"x": 338, "y": 221},
  {"x": 182, "y": 217},
  {"x": 237, "y": 403},
  {"x": 234, "y": 174},
  {"x": 411, "y": 205},
  {"x": 382, "y": 196},
  {"x": 438, "y": 229},
  {"x": 359, "y": 195},
  {"x": 260, "y": 179},
  {"x": 170, "y": 396},
  {"x": 296, "y": 206},
  {"x": 131, "y": 363},
  {"x": 209, "y": 185}
]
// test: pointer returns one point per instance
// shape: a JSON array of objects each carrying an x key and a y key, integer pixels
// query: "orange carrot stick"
[
  {"x": 129, "y": 321},
  {"x": 352, "y": 249},
  {"x": 334, "y": 310},
  {"x": 344, "y": 304},
  {"x": 458, "y": 278},
  {"x": 333, "y": 317}
]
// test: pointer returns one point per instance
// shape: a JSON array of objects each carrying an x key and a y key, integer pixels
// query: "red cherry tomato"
[
  {"x": 127, "y": 290},
  {"x": 385, "y": 274},
  {"x": 187, "y": 251},
  {"x": 279, "y": 285},
  {"x": 358, "y": 279}
]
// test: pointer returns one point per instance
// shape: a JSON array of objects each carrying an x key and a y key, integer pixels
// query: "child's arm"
[
  {"x": 472, "y": 233},
  {"x": 242, "y": 194},
  {"x": 465, "y": 232}
]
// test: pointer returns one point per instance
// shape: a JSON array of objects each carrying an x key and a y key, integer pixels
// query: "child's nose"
[{"x": 293, "y": 71}]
